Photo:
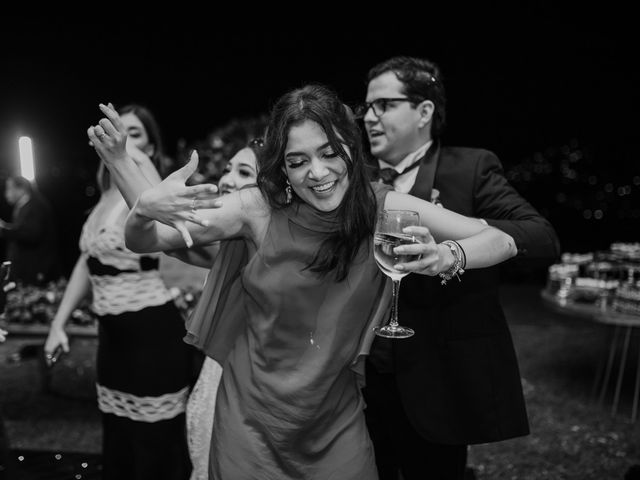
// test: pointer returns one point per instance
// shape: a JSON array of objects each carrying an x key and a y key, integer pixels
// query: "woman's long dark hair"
[{"x": 356, "y": 212}]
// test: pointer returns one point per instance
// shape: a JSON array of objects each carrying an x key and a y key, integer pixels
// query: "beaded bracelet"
[
  {"x": 457, "y": 268},
  {"x": 464, "y": 255}
]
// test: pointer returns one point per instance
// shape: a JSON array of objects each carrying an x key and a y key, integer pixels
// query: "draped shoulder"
[
  {"x": 219, "y": 316},
  {"x": 382, "y": 308}
]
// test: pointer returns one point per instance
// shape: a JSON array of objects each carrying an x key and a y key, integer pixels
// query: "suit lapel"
[{"x": 426, "y": 173}]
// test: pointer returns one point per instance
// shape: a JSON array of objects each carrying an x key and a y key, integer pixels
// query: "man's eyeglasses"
[{"x": 380, "y": 106}]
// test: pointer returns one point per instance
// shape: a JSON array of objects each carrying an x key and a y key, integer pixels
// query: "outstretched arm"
[
  {"x": 484, "y": 246},
  {"x": 132, "y": 171},
  {"x": 159, "y": 211}
]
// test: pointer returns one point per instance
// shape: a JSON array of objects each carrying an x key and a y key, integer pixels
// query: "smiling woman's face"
[
  {"x": 316, "y": 172},
  {"x": 239, "y": 172}
]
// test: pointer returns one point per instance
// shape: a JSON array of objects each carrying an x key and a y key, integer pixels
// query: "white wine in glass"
[{"x": 389, "y": 234}]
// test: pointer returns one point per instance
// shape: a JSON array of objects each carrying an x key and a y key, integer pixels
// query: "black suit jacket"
[
  {"x": 32, "y": 242},
  {"x": 458, "y": 375}
]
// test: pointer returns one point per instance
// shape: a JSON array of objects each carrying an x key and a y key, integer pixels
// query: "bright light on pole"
[{"x": 26, "y": 158}]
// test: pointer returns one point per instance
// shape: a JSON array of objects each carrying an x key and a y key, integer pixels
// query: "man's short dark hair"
[{"x": 422, "y": 80}]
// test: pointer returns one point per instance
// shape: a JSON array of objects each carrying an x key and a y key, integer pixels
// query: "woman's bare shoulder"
[
  {"x": 253, "y": 201},
  {"x": 257, "y": 213}
]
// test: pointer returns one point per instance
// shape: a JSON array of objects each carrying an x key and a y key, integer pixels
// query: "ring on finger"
[{"x": 193, "y": 204}]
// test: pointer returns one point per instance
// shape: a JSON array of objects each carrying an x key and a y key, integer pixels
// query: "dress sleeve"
[
  {"x": 382, "y": 309},
  {"x": 219, "y": 316}
]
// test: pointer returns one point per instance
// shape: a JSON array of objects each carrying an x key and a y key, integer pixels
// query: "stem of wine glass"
[{"x": 394, "y": 305}]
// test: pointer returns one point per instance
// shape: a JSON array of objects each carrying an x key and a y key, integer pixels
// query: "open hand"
[{"x": 174, "y": 204}]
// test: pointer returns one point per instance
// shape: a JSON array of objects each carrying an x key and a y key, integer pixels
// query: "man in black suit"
[
  {"x": 30, "y": 236},
  {"x": 456, "y": 382}
]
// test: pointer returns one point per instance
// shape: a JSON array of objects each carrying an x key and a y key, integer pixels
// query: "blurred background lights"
[{"x": 26, "y": 158}]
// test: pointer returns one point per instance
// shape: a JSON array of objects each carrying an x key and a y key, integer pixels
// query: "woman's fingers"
[
  {"x": 97, "y": 135},
  {"x": 424, "y": 248},
  {"x": 188, "y": 169},
  {"x": 422, "y": 233},
  {"x": 205, "y": 203},
  {"x": 56, "y": 340},
  {"x": 112, "y": 115},
  {"x": 203, "y": 190},
  {"x": 94, "y": 141},
  {"x": 198, "y": 220},
  {"x": 423, "y": 241},
  {"x": 427, "y": 264},
  {"x": 108, "y": 127},
  {"x": 186, "y": 236},
  {"x": 92, "y": 134}
]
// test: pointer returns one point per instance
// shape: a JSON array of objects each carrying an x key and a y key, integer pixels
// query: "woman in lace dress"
[
  {"x": 301, "y": 313},
  {"x": 142, "y": 365}
]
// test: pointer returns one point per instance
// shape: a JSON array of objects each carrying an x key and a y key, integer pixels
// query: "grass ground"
[{"x": 573, "y": 437}]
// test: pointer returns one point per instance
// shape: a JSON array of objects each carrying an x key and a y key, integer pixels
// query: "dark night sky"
[{"x": 518, "y": 81}]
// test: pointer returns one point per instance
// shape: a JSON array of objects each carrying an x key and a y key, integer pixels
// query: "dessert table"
[{"x": 624, "y": 338}]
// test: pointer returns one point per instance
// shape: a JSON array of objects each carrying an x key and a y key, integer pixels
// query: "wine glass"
[{"x": 389, "y": 235}]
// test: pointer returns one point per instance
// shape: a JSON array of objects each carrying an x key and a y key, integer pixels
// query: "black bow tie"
[{"x": 388, "y": 175}]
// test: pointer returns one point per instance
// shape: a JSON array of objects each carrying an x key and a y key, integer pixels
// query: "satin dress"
[{"x": 289, "y": 404}]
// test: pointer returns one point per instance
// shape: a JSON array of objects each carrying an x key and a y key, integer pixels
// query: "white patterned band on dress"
[
  {"x": 128, "y": 292},
  {"x": 142, "y": 409}
]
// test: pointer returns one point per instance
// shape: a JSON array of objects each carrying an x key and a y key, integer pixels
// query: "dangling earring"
[{"x": 287, "y": 191}]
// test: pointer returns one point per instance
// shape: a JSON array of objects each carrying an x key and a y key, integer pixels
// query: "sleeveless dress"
[
  {"x": 142, "y": 365},
  {"x": 289, "y": 404}
]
